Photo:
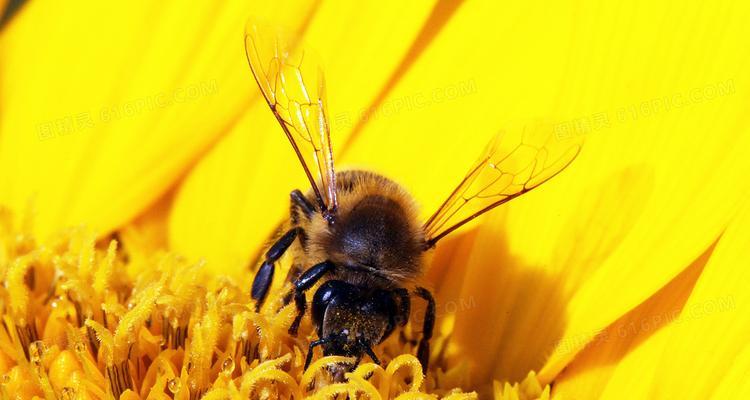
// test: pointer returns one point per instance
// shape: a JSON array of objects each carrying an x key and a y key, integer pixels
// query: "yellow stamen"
[{"x": 161, "y": 328}]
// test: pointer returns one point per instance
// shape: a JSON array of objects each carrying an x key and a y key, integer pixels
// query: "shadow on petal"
[
  {"x": 511, "y": 304},
  {"x": 494, "y": 303}
]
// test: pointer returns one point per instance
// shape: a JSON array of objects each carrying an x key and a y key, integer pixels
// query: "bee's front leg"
[
  {"x": 264, "y": 276},
  {"x": 304, "y": 282}
]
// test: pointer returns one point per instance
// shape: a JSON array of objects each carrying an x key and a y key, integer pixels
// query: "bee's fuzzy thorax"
[{"x": 375, "y": 228}]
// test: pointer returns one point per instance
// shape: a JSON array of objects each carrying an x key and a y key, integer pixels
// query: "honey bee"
[{"x": 356, "y": 234}]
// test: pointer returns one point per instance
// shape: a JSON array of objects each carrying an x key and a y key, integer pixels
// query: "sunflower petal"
[
  {"x": 703, "y": 349},
  {"x": 587, "y": 376},
  {"x": 100, "y": 117},
  {"x": 650, "y": 191},
  {"x": 678, "y": 215},
  {"x": 699, "y": 352},
  {"x": 233, "y": 199}
]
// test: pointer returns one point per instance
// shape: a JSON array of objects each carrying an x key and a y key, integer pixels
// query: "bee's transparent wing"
[
  {"x": 512, "y": 164},
  {"x": 293, "y": 85}
]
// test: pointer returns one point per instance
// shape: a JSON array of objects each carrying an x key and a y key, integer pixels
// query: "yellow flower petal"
[
  {"x": 147, "y": 233},
  {"x": 587, "y": 376},
  {"x": 703, "y": 349},
  {"x": 633, "y": 241},
  {"x": 103, "y": 107},
  {"x": 697, "y": 153},
  {"x": 734, "y": 382},
  {"x": 649, "y": 193},
  {"x": 234, "y": 198},
  {"x": 700, "y": 352}
]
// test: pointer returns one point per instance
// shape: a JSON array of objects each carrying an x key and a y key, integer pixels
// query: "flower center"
[{"x": 84, "y": 318}]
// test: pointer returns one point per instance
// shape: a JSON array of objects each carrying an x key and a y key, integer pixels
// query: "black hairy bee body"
[{"x": 366, "y": 258}]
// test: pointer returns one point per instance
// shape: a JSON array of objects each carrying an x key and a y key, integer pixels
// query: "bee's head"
[
  {"x": 351, "y": 319},
  {"x": 353, "y": 326},
  {"x": 376, "y": 233},
  {"x": 346, "y": 342}
]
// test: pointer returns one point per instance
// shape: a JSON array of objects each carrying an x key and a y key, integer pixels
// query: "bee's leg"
[
  {"x": 301, "y": 303},
  {"x": 301, "y": 208},
  {"x": 312, "y": 346},
  {"x": 300, "y": 201},
  {"x": 304, "y": 282},
  {"x": 264, "y": 276},
  {"x": 423, "y": 352},
  {"x": 294, "y": 272},
  {"x": 398, "y": 314},
  {"x": 404, "y": 306}
]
